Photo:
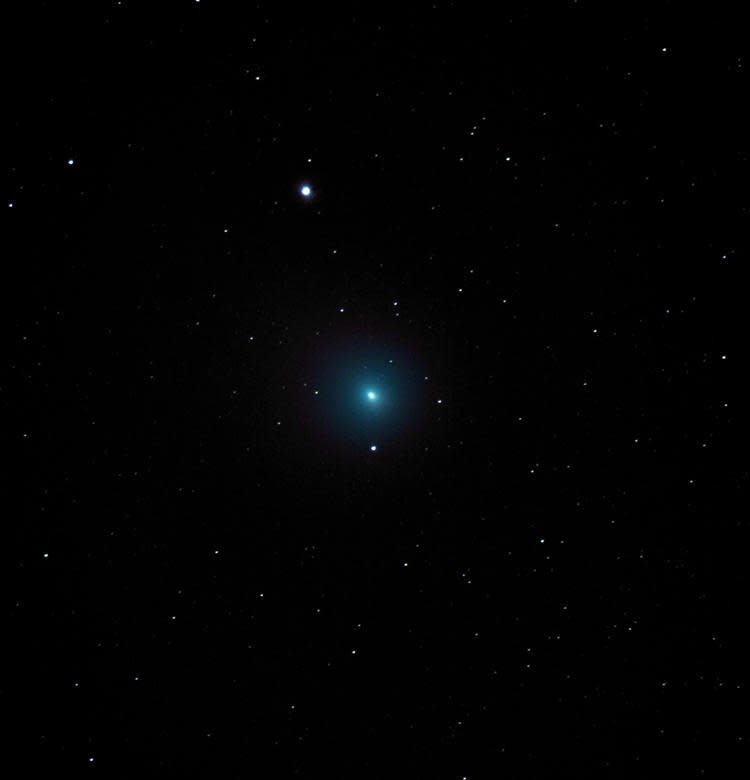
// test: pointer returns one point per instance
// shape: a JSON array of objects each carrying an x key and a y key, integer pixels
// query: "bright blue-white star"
[
  {"x": 371, "y": 395},
  {"x": 305, "y": 191},
  {"x": 373, "y": 447}
]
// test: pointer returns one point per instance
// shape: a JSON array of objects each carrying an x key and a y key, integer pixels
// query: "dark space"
[{"x": 374, "y": 396}]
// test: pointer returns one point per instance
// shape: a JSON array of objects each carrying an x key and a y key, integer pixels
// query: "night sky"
[{"x": 375, "y": 390}]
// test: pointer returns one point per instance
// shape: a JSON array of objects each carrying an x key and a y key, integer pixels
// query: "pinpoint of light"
[
  {"x": 373, "y": 447},
  {"x": 305, "y": 191},
  {"x": 70, "y": 162},
  {"x": 371, "y": 395}
]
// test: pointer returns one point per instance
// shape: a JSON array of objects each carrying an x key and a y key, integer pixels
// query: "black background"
[{"x": 546, "y": 575}]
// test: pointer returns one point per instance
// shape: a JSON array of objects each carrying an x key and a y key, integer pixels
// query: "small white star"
[
  {"x": 373, "y": 447},
  {"x": 71, "y": 162},
  {"x": 305, "y": 191}
]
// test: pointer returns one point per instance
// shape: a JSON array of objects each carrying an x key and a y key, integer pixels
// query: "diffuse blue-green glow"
[{"x": 369, "y": 396}]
